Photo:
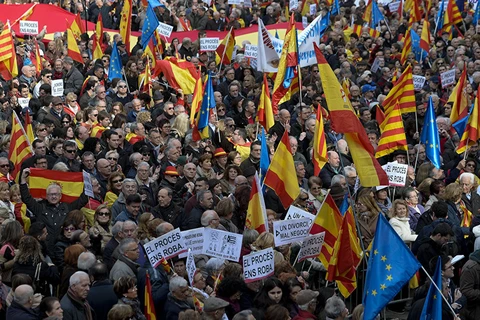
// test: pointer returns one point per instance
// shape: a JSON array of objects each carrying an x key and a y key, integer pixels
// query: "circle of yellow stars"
[{"x": 389, "y": 277}]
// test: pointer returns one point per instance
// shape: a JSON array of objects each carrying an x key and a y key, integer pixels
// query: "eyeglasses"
[
  {"x": 84, "y": 57},
  {"x": 221, "y": 110},
  {"x": 105, "y": 60},
  {"x": 145, "y": 154},
  {"x": 111, "y": 158},
  {"x": 304, "y": 199},
  {"x": 94, "y": 114},
  {"x": 69, "y": 229},
  {"x": 42, "y": 129},
  {"x": 4, "y": 165},
  {"x": 104, "y": 214},
  {"x": 66, "y": 121},
  {"x": 117, "y": 181},
  {"x": 71, "y": 151},
  {"x": 122, "y": 87},
  {"x": 315, "y": 71}
]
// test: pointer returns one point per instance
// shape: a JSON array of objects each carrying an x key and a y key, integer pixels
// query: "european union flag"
[
  {"x": 377, "y": 15},
  {"x": 150, "y": 24},
  {"x": 208, "y": 103},
  {"x": 440, "y": 17},
  {"x": 461, "y": 124},
  {"x": 430, "y": 137},
  {"x": 476, "y": 15},
  {"x": 156, "y": 3},
  {"x": 390, "y": 267},
  {"x": 420, "y": 54},
  {"x": 264, "y": 156},
  {"x": 336, "y": 7},
  {"x": 432, "y": 309},
  {"x": 115, "y": 68}
]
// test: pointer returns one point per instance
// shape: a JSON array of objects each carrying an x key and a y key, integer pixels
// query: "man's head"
[
  {"x": 333, "y": 159},
  {"x": 104, "y": 167},
  {"x": 129, "y": 248},
  {"x": 442, "y": 234},
  {"x": 467, "y": 180},
  {"x": 133, "y": 203},
  {"x": 164, "y": 228},
  {"x": 4, "y": 166},
  {"x": 39, "y": 147},
  {"x": 190, "y": 171},
  {"x": 179, "y": 288},
  {"x": 113, "y": 140},
  {"x": 300, "y": 169},
  {"x": 307, "y": 300},
  {"x": 143, "y": 171},
  {"x": 214, "y": 308},
  {"x": 210, "y": 219},
  {"x": 70, "y": 149},
  {"x": 205, "y": 199},
  {"x": 24, "y": 296},
  {"x": 129, "y": 187},
  {"x": 81, "y": 133},
  {"x": 201, "y": 184},
  {"x": 129, "y": 229},
  {"x": 255, "y": 150},
  {"x": 165, "y": 196},
  {"x": 54, "y": 193},
  {"x": 80, "y": 284},
  {"x": 335, "y": 308}
]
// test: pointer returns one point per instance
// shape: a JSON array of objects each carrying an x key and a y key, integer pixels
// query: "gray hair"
[
  {"x": 467, "y": 175},
  {"x": 54, "y": 185},
  {"x": 214, "y": 264},
  {"x": 249, "y": 236},
  {"x": 334, "y": 307},
  {"x": 207, "y": 217},
  {"x": 60, "y": 166},
  {"x": 162, "y": 228},
  {"x": 131, "y": 159},
  {"x": 201, "y": 194},
  {"x": 111, "y": 153},
  {"x": 117, "y": 228},
  {"x": 298, "y": 163},
  {"x": 129, "y": 222},
  {"x": 23, "y": 294},
  {"x": 144, "y": 164},
  {"x": 122, "y": 247},
  {"x": 86, "y": 260},
  {"x": 77, "y": 277},
  {"x": 177, "y": 282},
  {"x": 243, "y": 315},
  {"x": 349, "y": 169},
  {"x": 337, "y": 179}
]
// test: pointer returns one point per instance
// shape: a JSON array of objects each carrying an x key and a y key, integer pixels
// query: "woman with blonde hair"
[
  {"x": 144, "y": 117},
  {"x": 101, "y": 227},
  {"x": 264, "y": 241},
  {"x": 180, "y": 126},
  {"x": 142, "y": 232},
  {"x": 399, "y": 221},
  {"x": 367, "y": 213},
  {"x": 114, "y": 187}
]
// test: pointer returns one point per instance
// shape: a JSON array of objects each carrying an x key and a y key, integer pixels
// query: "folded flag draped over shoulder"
[
  {"x": 402, "y": 92},
  {"x": 71, "y": 183},
  {"x": 20, "y": 148},
  {"x": 471, "y": 133},
  {"x": 281, "y": 176},
  {"x": 432, "y": 309},
  {"x": 180, "y": 74},
  {"x": 256, "y": 212},
  {"x": 430, "y": 137},
  {"x": 390, "y": 267},
  {"x": 393, "y": 134},
  {"x": 345, "y": 121}
]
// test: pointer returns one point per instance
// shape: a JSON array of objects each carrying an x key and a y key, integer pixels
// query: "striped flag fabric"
[
  {"x": 149, "y": 305},
  {"x": 180, "y": 74},
  {"x": 425, "y": 36},
  {"x": 393, "y": 134},
  {"x": 72, "y": 47},
  {"x": 6, "y": 45},
  {"x": 29, "y": 128},
  {"x": 196, "y": 100},
  {"x": 256, "y": 212},
  {"x": 224, "y": 52},
  {"x": 319, "y": 158},
  {"x": 126, "y": 23},
  {"x": 38, "y": 58},
  {"x": 459, "y": 99},
  {"x": 281, "y": 176},
  {"x": 71, "y": 183},
  {"x": 97, "y": 131},
  {"x": 97, "y": 39},
  {"x": 471, "y": 133},
  {"x": 402, "y": 92},
  {"x": 407, "y": 47},
  {"x": 265, "y": 110},
  {"x": 20, "y": 148}
]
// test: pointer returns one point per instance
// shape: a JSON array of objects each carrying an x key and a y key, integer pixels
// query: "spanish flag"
[
  {"x": 97, "y": 39},
  {"x": 403, "y": 93},
  {"x": 281, "y": 176},
  {"x": 393, "y": 134},
  {"x": 20, "y": 148},
  {"x": 319, "y": 158},
  {"x": 126, "y": 23},
  {"x": 180, "y": 74},
  {"x": 97, "y": 131},
  {"x": 425, "y": 36},
  {"x": 196, "y": 100},
  {"x": 256, "y": 212},
  {"x": 20, "y": 210},
  {"x": 459, "y": 99},
  {"x": 265, "y": 110},
  {"x": 149, "y": 306},
  {"x": 471, "y": 133},
  {"x": 77, "y": 27},
  {"x": 345, "y": 121},
  {"x": 71, "y": 183},
  {"x": 73, "y": 50},
  {"x": 224, "y": 52},
  {"x": 38, "y": 58}
]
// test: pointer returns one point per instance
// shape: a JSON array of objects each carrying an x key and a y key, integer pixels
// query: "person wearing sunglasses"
[
  {"x": 63, "y": 241},
  {"x": 45, "y": 78}
]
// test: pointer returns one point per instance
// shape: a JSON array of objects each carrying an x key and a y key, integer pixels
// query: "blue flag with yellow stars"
[
  {"x": 432, "y": 309},
  {"x": 390, "y": 267},
  {"x": 264, "y": 156},
  {"x": 377, "y": 15},
  {"x": 115, "y": 68},
  {"x": 208, "y": 103},
  {"x": 420, "y": 54},
  {"x": 430, "y": 137},
  {"x": 150, "y": 24}
]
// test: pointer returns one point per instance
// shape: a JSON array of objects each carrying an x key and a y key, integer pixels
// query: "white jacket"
[{"x": 402, "y": 228}]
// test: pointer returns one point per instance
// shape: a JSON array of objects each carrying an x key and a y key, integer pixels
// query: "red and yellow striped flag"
[
  {"x": 281, "y": 176},
  {"x": 393, "y": 134},
  {"x": 224, "y": 52},
  {"x": 425, "y": 37},
  {"x": 180, "y": 74},
  {"x": 459, "y": 99},
  {"x": 38, "y": 58},
  {"x": 357, "y": 29},
  {"x": 403, "y": 93},
  {"x": 97, "y": 39},
  {"x": 328, "y": 220},
  {"x": 149, "y": 305},
  {"x": 97, "y": 131},
  {"x": 73, "y": 50},
  {"x": 196, "y": 100},
  {"x": 20, "y": 210},
  {"x": 319, "y": 157},
  {"x": 126, "y": 23},
  {"x": 20, "y": 148},
  {"x": 471, "y": 133},
  {"x": 6, "y": 45},
  {"x": 256, "y": 212},
  {"x": 345, "y": 121},
  {"x": 71, "y": 183},
  {"x": 29, "y": 128},
  {"x": 77, "y": 27},
  {"x": 265, "y": 110},
  {"x": 407, "y": 47}
]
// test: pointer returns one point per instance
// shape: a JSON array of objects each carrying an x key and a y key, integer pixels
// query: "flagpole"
[
  {"x": 440, "y": 291},
  {"x": 225, "y": 49},
  {"x": 466, "y": 149},
  {"x": 123, "y": 73}
]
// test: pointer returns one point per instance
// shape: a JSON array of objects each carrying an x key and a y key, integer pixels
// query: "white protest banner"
[
  {"x": 193, "y": 241},
  {"x": 297, "y": 213},
  {"x": 57, "y": 88},
  {"x": 209, "y": 44},
  {"x": 418, "y": 82},
  {"x": 311, "y": 246},
  {"x": 247, "y": 4},
  {"x": 289, "y": 231},
  {"x": 393, "y": 6},
  {"x": 310, "y": 35},
  {"x": 258, "y": 265},
  {"x": 190, "y": 266},
  {"x": 28, "y": 27},
  {"x": 87, "y": 182},
  {"x": 208, "y": 3},
  {"x": 23, "y": 102},
  {"x": 293, "y": 4},
  {"x": 164, "y": 29},
  {"x": 313, "y": 9},
  {"x": 278, "y": 45},
  {"x": 165, "y": 247},
  {"x": 235, "y": 2},
  {"x": 447, "y": 78},
  {"x": 304, "y": 22},
  {"x": 251, "y": 51},
  {"x": 222, "y": 244},
  {"x": 397, "y": 173}
]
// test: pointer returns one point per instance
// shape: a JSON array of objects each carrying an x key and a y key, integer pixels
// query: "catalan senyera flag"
[
  {"x": 346, "y": 257},
  {"x": 287, "y": 67},
  {"x": 344, "y": 120},
  {"x": 425, "y": 36},
  {"x": 471, "y": 133},
  {"x": 29, "y": 128},
  {"x": 126, "y": 23},
  {"x": 459, "y": 99},
  {"x": 328, "y": 219},
  {"x": 265, "y": 110},
  {"x": 71, "y": 183},
  {"x": 402, "y": 92},
  {"x": 20, "y": 148},
  {"x": 180, "y": 74},
  {"x": 149, "y": 310},
  {"x": 6, "y": 45},
  {"x": 407, "y": 47},
  {"x": 97, "y": 39},
  {"x": 224, "y": 52},
  {"x": 73, "y": 50},
  {"x": 256, "y": 212},
  {"x": 393, "y": 134},
  {"x": 8, "y": 65},
  {"x": 319, "y": 157},
  {"x": 452, "y": 15},
  {"x": 415, "y": 13},
  {"x": 281, "y": 176}
]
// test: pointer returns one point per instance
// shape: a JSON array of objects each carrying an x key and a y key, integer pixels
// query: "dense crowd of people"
[{"x": 150, "y": 174}]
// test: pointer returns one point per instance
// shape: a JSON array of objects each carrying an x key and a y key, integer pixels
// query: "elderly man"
[
  {"x": 193, "y": 219},
  {"x": 74, "y": 303},
  {"x": 56, "y": 113},
  {"x": 281, "y": 125},
  {"x": 129, "y": 187},
  {"x": 335, "y": 308},
  {"x": 166, "y": 209},
  {"x": 125, "y": 266},
  {"x": 186, "y": 184},
  {"x": 300, "y": 172},
  {"x": 112, "y": 244},
  {"x": 178, "y": 299},
  {"x": 210, "y": 219},
  {"x": 164, "y": 228},
  {"x": 50, "y": 211},
  {"x": 307, "y": 303},
  {"x": 470, "y": 196},
  {"x": 21, "y": 307},
  {"x": 73, "y": 79},
  {"x": 331, "y": 168},
  {"x": 214, "y": 308},
  {"x": 104, "y": 170},
  {"x": 146, "y": 184}
]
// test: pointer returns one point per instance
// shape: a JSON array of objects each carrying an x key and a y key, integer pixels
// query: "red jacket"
[{"x": 304, "y": 315}]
